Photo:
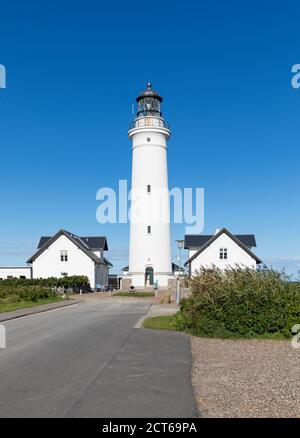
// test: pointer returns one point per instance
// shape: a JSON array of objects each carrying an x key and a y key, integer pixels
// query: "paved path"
[{"x": 88, "y": 360}]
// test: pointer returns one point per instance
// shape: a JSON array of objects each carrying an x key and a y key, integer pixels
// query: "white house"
[
  {"x": 68, "y": 254},
  {"x": 223, "y": 250}
]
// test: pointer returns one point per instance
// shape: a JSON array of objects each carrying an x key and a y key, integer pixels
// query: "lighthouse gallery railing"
[{"x": 149, "y": 122}]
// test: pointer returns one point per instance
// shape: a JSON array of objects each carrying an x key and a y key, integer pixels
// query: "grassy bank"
[
  {"x": 10, "y": 306},
  {"x": 170, "y": 323},
  {"x": 15, "y": 295},
  {"x": 134, "y": 294},
  {"x": 165, "y": 322}
]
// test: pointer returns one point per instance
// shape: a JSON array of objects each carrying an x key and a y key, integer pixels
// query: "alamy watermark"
[
  {"x": 2, "y": 76},
  {"x": 296, "y": 78},
  {"x": 151, "y": 205},
  {"x": 2, "y": 336}
]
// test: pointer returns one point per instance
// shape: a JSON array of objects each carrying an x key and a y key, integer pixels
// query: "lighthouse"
[{"x": 150, "y": 238}]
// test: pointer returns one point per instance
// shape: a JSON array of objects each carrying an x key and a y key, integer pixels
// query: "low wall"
[{"x": 15, "y": 272}]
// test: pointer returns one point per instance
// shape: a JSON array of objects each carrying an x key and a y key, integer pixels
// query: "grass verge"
[
  {"x": 9, "y": 307},
  {"x": 168, "y": 322},
  {"x": 134, "y": 294},
  {"x": 165, "y": 322}
]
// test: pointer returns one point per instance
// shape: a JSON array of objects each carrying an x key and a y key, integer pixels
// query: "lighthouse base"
[{"x": 140, "y": 281}]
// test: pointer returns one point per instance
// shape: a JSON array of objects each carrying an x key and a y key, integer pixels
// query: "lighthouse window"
[
  {"x": 223, "y": 253},
  {"x": 148, "y": 139},
  {"x": 149, "y": 229},
  {"x": 148, "y": 188}
]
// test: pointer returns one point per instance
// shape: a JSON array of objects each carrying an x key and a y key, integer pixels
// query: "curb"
[
  {"x": 153, "y": 311},
  {"x": 27, "y": 311},
  {"x": 140, "y": 322}
]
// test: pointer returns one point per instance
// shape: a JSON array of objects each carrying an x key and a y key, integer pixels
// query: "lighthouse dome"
[
  {"x": 149, "y": 92},
  {"x": 149, "y": 103}
]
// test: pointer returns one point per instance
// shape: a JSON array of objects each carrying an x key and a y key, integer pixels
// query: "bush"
[
  {"x": 75, "y": 282},
  {"x": 24, "y": 293},
  {"x": 15, "y": 290},
  {"x": 240, "y": 303}
]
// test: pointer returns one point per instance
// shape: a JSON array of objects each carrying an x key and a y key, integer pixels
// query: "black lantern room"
[{"x": 149, "y": 103}]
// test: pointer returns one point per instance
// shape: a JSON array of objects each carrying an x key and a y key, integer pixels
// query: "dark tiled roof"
[
  {"x": 176, "y": 267},
  {"x": 46, "y": 242},
  {"x": 92, "y": 242},
  {"x": 126, "y": 268},
  {"x": 201, "y": 239},
  {"x": 43, "y": 240},
  {"x": 107, "y": 262},
  {"x": 95, "y": 242}
]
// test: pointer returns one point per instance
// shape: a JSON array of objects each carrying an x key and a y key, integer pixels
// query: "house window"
[
  {"x": 149, "y": 229},
  {"x": 63, "y": 256},
  {"x": 223, "y": 253},
  {"x": 148, "y": 188}
]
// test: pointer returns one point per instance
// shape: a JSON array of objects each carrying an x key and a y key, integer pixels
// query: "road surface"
[{"x": 88, "y": 360}]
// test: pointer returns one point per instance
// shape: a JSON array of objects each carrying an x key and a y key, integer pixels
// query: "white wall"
[
  {"x": 149, "y": 166},
  {"x": 192, "y": 251},
  {"x": 235, "y": 254},
  {"x": 98, "y": 253},
  {"x": 15, "y": 272},
  {"x": 138, "y": 280},
  {"x": 48, "y": 264}
]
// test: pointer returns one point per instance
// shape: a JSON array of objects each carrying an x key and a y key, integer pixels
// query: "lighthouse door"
[{"x": 149, "y": 276}]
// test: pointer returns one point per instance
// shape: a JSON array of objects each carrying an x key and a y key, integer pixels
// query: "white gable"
[
  {"x": 211, "y": 255},
  {"x": 49, "y": 264}
]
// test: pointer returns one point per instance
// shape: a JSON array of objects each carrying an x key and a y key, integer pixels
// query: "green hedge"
[
  {"x": 240, "y": 303},
  {"x": 14, "y": 294},
  {"x": 15, "y": 290},
  {"x": 75, "y": 282}
]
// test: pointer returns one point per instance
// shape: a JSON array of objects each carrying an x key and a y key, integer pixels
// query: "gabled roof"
[
  {"x": 191, "y": 240},
  {"x": 75, "y": 239},
  {"x": 92, "y": 242},
  {"x": 215, "y": 237},
  {"x": 176, "y": 267},
  {"x": 107, "y": 262}
]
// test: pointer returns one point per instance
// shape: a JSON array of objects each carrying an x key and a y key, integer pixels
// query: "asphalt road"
[{"x": 88, "y": 360}]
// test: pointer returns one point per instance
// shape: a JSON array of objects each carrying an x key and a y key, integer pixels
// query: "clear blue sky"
[{"x": 224, "y": 69}]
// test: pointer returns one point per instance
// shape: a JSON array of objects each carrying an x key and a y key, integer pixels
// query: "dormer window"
[
  {"x": 223, "y": 253},
  {"x": 63, "y": 256}
]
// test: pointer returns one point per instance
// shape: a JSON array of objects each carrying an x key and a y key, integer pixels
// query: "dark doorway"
[{"x": 149, "y": 276}]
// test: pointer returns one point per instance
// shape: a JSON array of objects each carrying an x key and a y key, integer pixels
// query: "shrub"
[
  {"x": 240, "y": 303},
  {"x": 74, "y": 282},
  {"x": 14, "y": 290},
  {"x": 24, "y": 293}
]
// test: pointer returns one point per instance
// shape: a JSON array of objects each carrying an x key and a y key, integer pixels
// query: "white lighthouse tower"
[{"x": 150, "y": 238}]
